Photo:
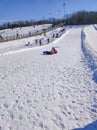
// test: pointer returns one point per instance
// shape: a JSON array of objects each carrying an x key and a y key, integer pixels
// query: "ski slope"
[
  {"x": 24, "y": 30},
  {"x": 50, "y": 92},
  {"x": 22, "y": 44}
]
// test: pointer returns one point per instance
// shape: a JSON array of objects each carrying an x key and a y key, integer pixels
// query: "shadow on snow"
[
  {"x": 95, "y": 27},
  {"x": 91, "y": 126}
]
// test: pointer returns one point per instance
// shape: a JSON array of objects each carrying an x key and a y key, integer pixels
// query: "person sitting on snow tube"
[{"x": 53, "y": 49}]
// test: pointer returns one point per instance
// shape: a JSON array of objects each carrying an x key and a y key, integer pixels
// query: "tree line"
[
  {"x": 81, "y": 18},
  {"x": 23, "y": 24},
  {"x": 78, "y": 18}
]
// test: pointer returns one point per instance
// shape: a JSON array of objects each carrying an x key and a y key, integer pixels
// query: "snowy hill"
[
  {"x": 50, "y": 92},
  {"x": 22, "y": 44},
  {"x": 24, "y": 30}
]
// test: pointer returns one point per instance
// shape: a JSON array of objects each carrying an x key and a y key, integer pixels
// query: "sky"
[{"x": 16, "y": 10}]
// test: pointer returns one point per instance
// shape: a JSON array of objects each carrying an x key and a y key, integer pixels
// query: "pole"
[
  {"x": 58, "y": 14},
  {"x": 64, "y": 11}
]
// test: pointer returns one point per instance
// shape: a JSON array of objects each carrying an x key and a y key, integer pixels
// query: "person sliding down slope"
[{"x": 53, "y": 51}]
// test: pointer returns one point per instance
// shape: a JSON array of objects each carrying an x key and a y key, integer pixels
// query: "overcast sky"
[{"x": 14, "y": 10}]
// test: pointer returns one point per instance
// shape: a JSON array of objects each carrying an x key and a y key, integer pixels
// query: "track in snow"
[{"x": 48, "y": 92}]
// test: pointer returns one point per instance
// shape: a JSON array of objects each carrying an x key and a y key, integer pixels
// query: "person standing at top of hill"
[
  {"x": 36, "y": 41},
  {"x": 40, "y": 42},
  {"x": 56, "y": 35},
  {"x": 48, "y": 40}
]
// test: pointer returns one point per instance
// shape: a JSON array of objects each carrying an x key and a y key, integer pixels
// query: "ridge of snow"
[{"x": 90, "y": 48}]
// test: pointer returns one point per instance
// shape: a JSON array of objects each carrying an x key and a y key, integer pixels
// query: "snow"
[
  {"x": 21, "y": 44},
  {"x": 49, "y": 92},
  {"x": 91, "y": 33},
  {"x": 24, "y": 30}
]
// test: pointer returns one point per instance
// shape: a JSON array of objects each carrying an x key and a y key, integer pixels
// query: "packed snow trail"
[{"x": 40, "y": 92}]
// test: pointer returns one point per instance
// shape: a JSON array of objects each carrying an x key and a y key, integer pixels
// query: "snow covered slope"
[
  {"x": 22, "y": 44},
  {"x": 55, "y": 92},
  {"x": 24, "y": 30}
]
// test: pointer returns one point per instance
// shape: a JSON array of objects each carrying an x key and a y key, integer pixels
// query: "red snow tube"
[
  {"x": 54, "y": 52},
  {"x": 50, "y": 52}
]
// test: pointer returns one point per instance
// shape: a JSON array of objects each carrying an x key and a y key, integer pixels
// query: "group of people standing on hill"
[
  {"x": 40, "y": 40},
  {"x": 48, "y": 39}
]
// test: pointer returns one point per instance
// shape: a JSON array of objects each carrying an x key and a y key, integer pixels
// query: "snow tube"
[{"x": 50, "y": 52}]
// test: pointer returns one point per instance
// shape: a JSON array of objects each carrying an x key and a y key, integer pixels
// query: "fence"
[{"x": 17, "y": 36}]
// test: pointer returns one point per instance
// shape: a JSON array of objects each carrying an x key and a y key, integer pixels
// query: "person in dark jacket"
[
  {"x": 48, "y": 40},
  {"x": 40, "y": 42}
]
